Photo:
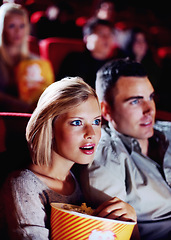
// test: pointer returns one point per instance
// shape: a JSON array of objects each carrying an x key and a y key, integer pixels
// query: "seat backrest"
[
  {"x": 164, "y": 52},
  {"x": 56, "y": 49},
  {"x": 14, "y": 152},
  {"x": 163, "y": 115},
  {"x": 33, "y": 45},
  {"x": 2, "y": 135}
]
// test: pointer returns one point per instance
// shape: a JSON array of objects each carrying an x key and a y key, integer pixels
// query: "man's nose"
[{"x": 148, "y": 106}]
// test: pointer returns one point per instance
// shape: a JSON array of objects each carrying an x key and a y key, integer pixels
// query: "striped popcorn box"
[{"x": 72, "y": 225}]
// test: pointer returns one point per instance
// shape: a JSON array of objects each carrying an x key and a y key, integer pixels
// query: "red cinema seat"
[
  {"x": 164, "y": 52},
  {"x": 55, "y": 49},
  {"x": 33, "y": 45}
]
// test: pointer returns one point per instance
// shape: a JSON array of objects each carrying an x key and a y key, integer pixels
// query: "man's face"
[
  {"x": 101, "y": 42},
  {"x": 133, "y": 113}
]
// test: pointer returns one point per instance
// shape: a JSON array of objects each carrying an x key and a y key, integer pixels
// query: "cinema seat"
[
  {"x": 164, "y": 52},
  {"x": 33, "y": 45},
  {"x": 14, "y": 152},
  {"x": 55, "y": 49},
  {"x": 163, "y": 115}
]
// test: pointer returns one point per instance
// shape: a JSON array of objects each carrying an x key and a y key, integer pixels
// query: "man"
[
  {"x": 133, "y": 158},
  {"x": 98, "y": 36}
]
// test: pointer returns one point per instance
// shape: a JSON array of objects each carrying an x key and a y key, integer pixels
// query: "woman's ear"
[{"x": 106, "y": 111}]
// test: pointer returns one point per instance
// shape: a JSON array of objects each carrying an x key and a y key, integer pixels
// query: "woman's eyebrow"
[{"x": 99, "y": 116}]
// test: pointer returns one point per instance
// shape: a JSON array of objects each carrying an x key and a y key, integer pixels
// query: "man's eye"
[
  {"x": 97, "y": 122},
  {"x": 136, "y": 101},
  {"x": 152, "y": 96},
  {"x": 76, "y": 123}
]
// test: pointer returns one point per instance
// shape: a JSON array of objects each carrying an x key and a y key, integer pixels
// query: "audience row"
[
  {"x": 25, "y": 75},
  {"x": 97, "y": 143},
  {"x": 124, "y": 176}
]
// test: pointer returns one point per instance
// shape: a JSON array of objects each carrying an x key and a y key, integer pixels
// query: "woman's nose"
[{"x": 89, "y": 132}]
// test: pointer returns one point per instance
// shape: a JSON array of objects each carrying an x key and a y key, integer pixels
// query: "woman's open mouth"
[{"x": 88, "y": 149}]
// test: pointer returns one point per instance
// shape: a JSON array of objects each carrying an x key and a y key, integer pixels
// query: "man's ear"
[{"x": 106, "y": 111}]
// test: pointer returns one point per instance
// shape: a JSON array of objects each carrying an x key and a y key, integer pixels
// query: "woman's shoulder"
[
  {"x": 22, "y": 179},
  {"x": 23, "y": 185}
]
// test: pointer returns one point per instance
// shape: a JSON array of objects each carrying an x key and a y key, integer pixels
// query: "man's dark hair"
[
  {"x": 92, "y": 23},
  {"x": 108, "y": 75}
]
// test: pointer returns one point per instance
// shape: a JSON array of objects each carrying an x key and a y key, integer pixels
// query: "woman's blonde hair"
[
  {"x": 57, "y": 99},
  {"x": 5, "y": 10}
]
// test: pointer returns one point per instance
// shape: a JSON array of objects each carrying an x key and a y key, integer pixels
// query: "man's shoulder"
[
  {"x": 108, "y": 136},
  {"x": 110, "y": 147},
  {"x": 164, "y": 127}
]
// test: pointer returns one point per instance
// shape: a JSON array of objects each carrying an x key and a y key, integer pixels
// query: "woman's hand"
[{"x": 116, "y": 209}]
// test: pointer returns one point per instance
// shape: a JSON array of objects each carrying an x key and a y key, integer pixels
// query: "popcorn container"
[{"x": 71, "y": 225}]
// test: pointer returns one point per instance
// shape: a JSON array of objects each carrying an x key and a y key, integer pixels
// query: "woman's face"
[
  {"x": 78, "y": 132},
  {"x": 140, "y": 45},
  {"x": 15, "y": 29}
]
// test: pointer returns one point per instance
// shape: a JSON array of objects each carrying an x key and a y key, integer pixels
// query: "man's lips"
[
  {"x": 146, "y": 124},
  {"x": 88, "y": 148},
  {"x": 147, "y": 121}
]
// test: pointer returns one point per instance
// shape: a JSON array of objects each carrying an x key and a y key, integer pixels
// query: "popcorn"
[{"x": 82, "y": 209}]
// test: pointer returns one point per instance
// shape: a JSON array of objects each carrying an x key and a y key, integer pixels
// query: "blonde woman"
[
  {"x": 14, "y": 32},
  {"x": 64, "y": 129}
]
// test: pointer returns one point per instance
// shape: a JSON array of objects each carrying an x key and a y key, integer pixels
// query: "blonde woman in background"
[{"x": 14, "y": 33}]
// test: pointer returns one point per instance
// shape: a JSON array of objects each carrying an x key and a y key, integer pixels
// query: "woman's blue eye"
[
  {"x": 11, "y": 26},
  {"x": 22, "y": 26},
  {"x": 97, "y": 122},
  {"x": 76, "y": 122}
]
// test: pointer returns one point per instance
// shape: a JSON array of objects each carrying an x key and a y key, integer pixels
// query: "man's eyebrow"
[
  {"x": 138, "y": 97},
  {"x": 133, "y": 97}
]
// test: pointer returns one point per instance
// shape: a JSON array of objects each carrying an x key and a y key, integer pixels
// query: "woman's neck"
[
  {"x": 57, "y": 176},
  {"x": 59, "y": 168},
  {"x": 14, "y": 54},
  {"x": 62, "y": 184}
]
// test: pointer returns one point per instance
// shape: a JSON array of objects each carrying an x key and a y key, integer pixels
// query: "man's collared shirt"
[{"x": 120, "y": 169}]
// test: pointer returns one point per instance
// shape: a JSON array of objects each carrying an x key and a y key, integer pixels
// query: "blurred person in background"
[
  {"x": 99, "y": 38},
  {"x": 140, "y": 50},
  {"x": 108, "y": 10},
  {"x": 21, "y": 2},
  {"x": 14, "y": 50},
  {"x": 57, "y": 20}
]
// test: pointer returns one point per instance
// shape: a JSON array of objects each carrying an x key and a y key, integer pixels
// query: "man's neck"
[{"x": 144, "y": 146}]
